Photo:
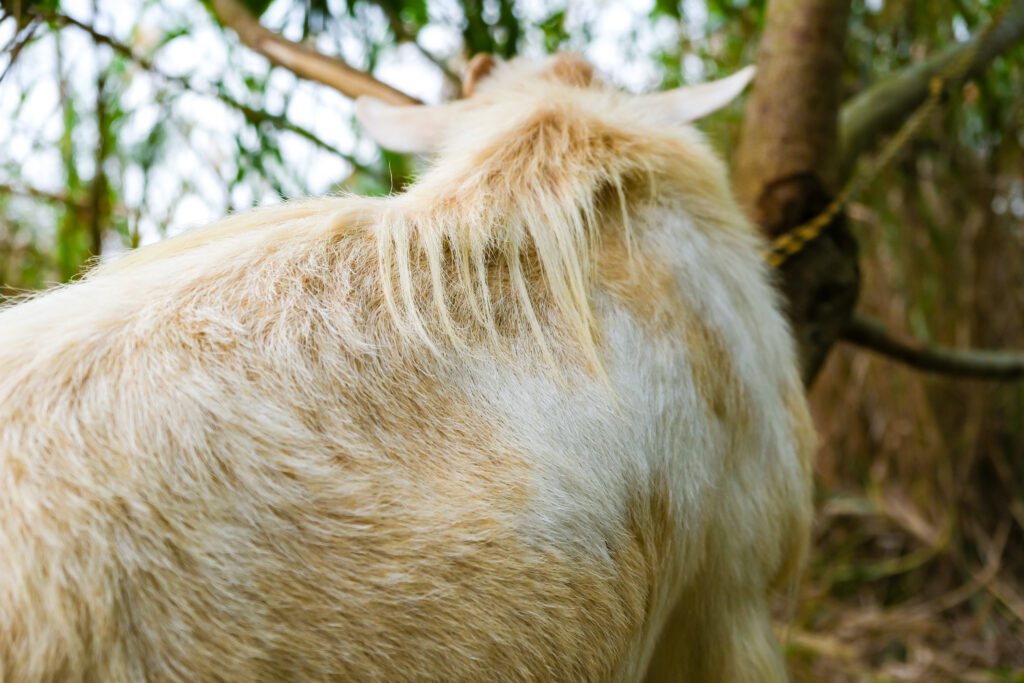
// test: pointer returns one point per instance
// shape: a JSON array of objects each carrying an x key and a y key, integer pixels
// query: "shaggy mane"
[
  {"x": 526, "y": 195},
  {"x": 534, "y": 202}
]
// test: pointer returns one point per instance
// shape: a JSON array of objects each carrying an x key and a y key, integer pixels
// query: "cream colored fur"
[{"x": 537, "y": 418}]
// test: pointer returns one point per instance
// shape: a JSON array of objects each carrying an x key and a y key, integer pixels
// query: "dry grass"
[{"x": 918, "y": 568}]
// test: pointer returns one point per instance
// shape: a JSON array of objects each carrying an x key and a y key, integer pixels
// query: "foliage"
[{"x": 135, "y": 119}]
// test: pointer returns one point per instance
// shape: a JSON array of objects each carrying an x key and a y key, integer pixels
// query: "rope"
[{"x": 793, "y": 241}]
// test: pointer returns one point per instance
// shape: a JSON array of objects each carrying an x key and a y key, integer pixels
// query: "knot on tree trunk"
[{"x": 821, "y": 282}]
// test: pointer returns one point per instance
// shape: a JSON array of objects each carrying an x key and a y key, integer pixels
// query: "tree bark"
[{"x": 787, "y": 167}]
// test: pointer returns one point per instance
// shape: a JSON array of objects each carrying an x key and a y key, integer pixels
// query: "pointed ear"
[
  {"x": 407, "y": 129},
  {"x": 477, "y": 70},
  {"x": 690, "y": 103}
]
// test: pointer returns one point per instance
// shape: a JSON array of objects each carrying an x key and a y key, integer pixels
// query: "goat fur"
[{"x": 536, "y": 418}]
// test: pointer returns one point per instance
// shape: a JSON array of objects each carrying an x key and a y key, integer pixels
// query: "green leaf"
[
  {"x": 670, "y": 8},
  {"x": 553, "y": 28}
]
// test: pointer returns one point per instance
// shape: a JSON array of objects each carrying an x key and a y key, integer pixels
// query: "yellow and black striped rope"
[{"x": 793, "y": 241}]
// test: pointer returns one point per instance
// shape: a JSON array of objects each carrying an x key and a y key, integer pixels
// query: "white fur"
[{"x": 536, "y": 419}]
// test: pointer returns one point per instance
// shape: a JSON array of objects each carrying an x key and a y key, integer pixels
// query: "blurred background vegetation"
[{"x": 123, "y": 121}]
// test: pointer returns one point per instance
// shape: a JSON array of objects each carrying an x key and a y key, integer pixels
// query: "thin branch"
[
  {"x": 301, "y": 60},
  {"x": 252, "y": 115},
  {"x": 98, "y": 191},
  {"x": 404, "y": 35},
  {"x": 449, "y": 75},
  {"x": 258, "y": 116},
  {"x": 870, "y": 334},
  {"x": 97, "y": 37},
  {"x": 82, "y": 207},
  {"x": 36, "y": 193},
  {"x": 17, "y": 44},
  {"x": 881, "y": 108}
]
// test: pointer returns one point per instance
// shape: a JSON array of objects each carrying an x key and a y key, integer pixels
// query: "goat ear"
[
  {"x": 477, "y": 70},
  {"x": 407, "y": 129},
  {"x": 693, "y": 102}
]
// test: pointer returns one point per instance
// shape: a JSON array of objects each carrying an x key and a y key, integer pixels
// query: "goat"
[{"x": 535, "y": 418}]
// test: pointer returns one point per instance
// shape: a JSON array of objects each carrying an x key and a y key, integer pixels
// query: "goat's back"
[{"x": 358, "y": 439}]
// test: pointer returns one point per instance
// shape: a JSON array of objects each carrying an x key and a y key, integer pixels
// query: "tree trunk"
[{"x": 787, "y": 166}]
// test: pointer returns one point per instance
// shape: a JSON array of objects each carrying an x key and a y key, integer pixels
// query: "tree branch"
[
  {"x": 301, "y": 60},
  {"x": 881, "y": 108},
  {"x": 44, "y": 195},
  {"x": 252, "y": 116},
  {"x": 404, "y": 35},
  {"x": 17, "y": 44},
  {"x": 870, "y": 334}
]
